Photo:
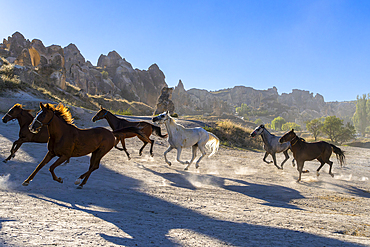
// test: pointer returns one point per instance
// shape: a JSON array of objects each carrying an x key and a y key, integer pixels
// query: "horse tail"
[
  {"x": 339, "y": 153},
  {"x": 157, "y": 131},
  {"x": 136, "y": 130},
  {"x": 213, "y": 143}
]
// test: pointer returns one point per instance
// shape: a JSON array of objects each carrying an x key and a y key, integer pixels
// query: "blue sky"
[{"x": 319, "y": 46}]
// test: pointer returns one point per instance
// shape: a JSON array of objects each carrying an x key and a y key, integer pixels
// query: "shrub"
[{"x": 234, "y": 135}]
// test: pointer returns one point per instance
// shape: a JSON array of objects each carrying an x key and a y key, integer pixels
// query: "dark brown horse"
[
  {"x": 66, "y": 140},
  {"x": 305, "y": 151},
  {"x": 117, "y": 123},
  {"x": 24, "y": 118}
]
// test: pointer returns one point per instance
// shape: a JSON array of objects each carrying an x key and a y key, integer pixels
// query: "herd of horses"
[{"x": 54, "y": 125}]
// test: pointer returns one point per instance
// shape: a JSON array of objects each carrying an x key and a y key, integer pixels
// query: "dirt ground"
[{"x": 233, "y": 199}]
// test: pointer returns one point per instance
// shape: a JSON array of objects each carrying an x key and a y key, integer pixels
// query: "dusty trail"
[{"x": 233, "y": 199}]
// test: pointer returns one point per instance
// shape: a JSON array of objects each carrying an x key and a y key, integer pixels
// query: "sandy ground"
[{"x": 233, "y": 199}]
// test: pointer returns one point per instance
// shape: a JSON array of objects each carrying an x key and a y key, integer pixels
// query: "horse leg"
[
  {"x": 318, "y": 169},
  {"x": 182, "y": 162},
  {"x": 151, "y": 147},
  {"x": 16, "y": 145},
  {"x": 94, "y": 164},
  {"x": 124, "y": 147},
  {"x": 46, "y": 159},
  {"x": 203, "y": 151},
  {"x": 57, "y": 163},
  {"x": 165, "y": 155},
  {"x": 193, "y": 153},
  {"x": 141, "y": 149},
  {"x": 286, "y": 158},
  {"x": 300, "y": 168},
  {"x": 274, "y": 159},
  {"x": 264, "y": 158}
]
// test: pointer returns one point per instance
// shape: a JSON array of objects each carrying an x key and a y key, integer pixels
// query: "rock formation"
[
  {"x": 113, "y": 76},
  {"x": 164, "y": 102}
]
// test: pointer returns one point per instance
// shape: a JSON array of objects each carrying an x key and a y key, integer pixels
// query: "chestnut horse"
[
  {"x": 116, "y": 123},
  {"x": 305, "y": 151},
  {"x": 66, "y": 140},
  {"x": 24, "y": 118}
]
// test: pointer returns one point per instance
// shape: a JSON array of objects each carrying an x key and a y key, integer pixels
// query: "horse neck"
[
  {"x": 113, "y": 121},
  {"x": 266, "y": 136},
  {"x": 24, "y": 118},
  {"x": 170, "y": 126},
  {"x": 58, "y": 127}
]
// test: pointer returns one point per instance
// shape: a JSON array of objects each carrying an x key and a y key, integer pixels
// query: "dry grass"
[{"x": 234, "y": 135}]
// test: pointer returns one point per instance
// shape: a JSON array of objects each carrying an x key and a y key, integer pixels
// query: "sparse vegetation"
[
  {"x": 8, "y": 81},
  {"x": 234, "y": 135},
  {"x": 277, "y": 123}
]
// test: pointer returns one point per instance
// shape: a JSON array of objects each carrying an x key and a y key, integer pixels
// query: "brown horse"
[
  {"x": 66, "y": 140},
  {"x": 24, "y": 118},
  {"x": 117, "y": 123},
  {"x": 305, "y": 151}
]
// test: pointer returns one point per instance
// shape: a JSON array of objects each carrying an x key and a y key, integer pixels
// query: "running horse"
[
  {"x": 66, "y": 140},
  {"x": 272, "y": 145},
  {"x": 117, "y": 123},
  {"x": 181, "y": 137},
  {"x": 24, "y": 118},
  {"x": 305, "y": 151}
]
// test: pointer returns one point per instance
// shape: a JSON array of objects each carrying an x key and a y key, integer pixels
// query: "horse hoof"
[
  {"x": 60, "y": 180},
  {"x": 5, "y": 161},
  {"x": 25, "y": 183},
  {"x": 317, "y": 174},
  {"x": 332, "y": 175},
  {"x": 78, "y": 181},
  {"x": 79, "y": 187}
]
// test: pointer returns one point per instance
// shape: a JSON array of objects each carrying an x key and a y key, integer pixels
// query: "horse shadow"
[
  {"x": 273, "y": 195},
  {"x": 149, "y": 220}
]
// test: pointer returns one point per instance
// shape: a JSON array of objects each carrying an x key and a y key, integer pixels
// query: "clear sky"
[{"x": 322, "y": 46}]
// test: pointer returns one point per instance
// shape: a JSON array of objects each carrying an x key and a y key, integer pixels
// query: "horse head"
[
  {"x": 43, "y": 117},
  {"x": 100, "y": 114},
  {"x": 161, "y": 118},
  {"x": 12, "y": 113},
  {"x": 257, "y": 131},
  {"x": 287, "y": 137}
]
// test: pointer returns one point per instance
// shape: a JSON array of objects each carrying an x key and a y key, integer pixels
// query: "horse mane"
[
  {"x": 61, "y": 111},
  {"x": 174, "y": 120}
]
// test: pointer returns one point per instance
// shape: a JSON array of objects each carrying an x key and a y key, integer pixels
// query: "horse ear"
[
  {"x": 292, "y": 130},
  {"x": 41, "y": 106},
  {"x": 262, "y": 126},
  {"x": 167, "y": 112},
  {"x": 101, "y": 108}
]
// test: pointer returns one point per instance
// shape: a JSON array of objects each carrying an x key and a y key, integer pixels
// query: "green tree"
[
  {"x": 290, "y": 125},
  {"x": 314, "y": 127},
  {"x": 347, "y": 133},
  {"x": 258, "y": 121},
  {"x": 332, "y": 127},
  {"x": 361, "y": 118},
  {"x": 243, "y": 110},
  {"x": 277, "y": 123}
]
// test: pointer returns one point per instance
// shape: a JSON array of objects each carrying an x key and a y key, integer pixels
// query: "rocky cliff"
[
  {"x": 297, "y": 106},
  {"x": 113, "y": 76}
]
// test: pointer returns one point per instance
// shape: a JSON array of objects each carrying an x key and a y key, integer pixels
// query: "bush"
[
  {"x": 290, "y": 125},
  {"x": 277, "y": 123},
  {"x": 234, "y": 135}
]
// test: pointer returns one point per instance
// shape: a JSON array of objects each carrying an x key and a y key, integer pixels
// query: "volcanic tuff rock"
[
  {"x": 113, "y": 76},
  {"x": 164, "y": 102},
  {"x": 298, "y": 106}
]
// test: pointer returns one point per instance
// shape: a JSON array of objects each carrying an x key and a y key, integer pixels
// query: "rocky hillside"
[
  {"x": 297, "y": 106},
  {"x": 114, "y": 78}
]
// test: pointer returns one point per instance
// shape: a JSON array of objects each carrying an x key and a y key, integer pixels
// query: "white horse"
[{"x": 180, "y": 137}]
